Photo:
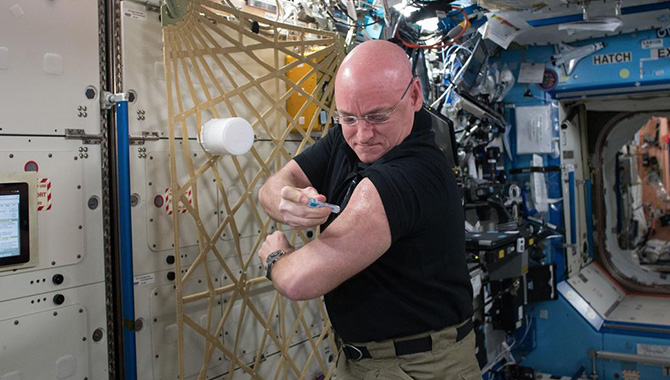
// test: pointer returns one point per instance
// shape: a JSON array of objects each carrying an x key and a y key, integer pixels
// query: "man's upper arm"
[{"x": 356, "y": 239}]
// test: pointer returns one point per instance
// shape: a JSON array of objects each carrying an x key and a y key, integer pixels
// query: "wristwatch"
[{"x": 271, "y": 260}]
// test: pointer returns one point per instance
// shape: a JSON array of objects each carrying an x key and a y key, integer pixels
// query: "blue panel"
[
  {"x": 564, "y": 339},
  {"x": 589, "y": 76},
  {"x": 628, "y": 345},
  {"x": 580, "y": 305},
  {"x": 637, "y": 76},
  {"x": 553, "y": 249}
]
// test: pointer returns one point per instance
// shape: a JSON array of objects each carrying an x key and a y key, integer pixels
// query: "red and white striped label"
[
  {"x": 43, "y": 194},
  {"x": 168, "y": 201}
]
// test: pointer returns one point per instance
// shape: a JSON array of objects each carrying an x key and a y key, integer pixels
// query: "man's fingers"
[
  {"x": 294, "y": 195},
  {"x": 293, "y": 207},
  {"x": 312, "y": 193}
]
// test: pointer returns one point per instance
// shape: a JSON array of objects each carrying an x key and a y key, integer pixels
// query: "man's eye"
[
  {"x": 348, "y": 120},
  {"x": 377, "y": 118}
]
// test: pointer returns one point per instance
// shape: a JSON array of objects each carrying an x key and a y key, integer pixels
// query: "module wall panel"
[
  {"x": 158, "y": 192},
  {"x": 69, "y": 212},
  {"x": 50, "y": 57},
  {"x": 68, "y": 341},
  {"x": 62, "y": 198},
  {"x": 164, "y": 332}
]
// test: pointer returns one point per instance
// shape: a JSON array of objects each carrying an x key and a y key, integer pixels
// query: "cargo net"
[{"x": 221, "y": 62}]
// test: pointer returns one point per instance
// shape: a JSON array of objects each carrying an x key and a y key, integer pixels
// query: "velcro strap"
[
  {"x": 413, "y": 346},
  {"x": 355, "y": 352}
]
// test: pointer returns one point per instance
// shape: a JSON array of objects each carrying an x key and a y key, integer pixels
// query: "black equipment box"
[{"x": 491, "y": 247}]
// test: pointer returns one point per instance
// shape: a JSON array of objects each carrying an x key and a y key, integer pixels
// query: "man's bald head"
[{"x": 375, "y": 61}]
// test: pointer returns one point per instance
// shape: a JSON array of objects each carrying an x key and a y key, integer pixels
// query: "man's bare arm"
[{"x": 351, "y": 243}]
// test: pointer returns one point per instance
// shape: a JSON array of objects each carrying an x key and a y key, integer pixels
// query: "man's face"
[{"x": 371, "y": 141}]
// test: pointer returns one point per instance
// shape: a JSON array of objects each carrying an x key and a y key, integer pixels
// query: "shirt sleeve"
[
  {"x": 314, "y": 160},
  {"x": 413, "y": 194}
]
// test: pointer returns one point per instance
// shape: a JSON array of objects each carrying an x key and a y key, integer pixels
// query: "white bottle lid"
[{"x": 232, "y": 136}]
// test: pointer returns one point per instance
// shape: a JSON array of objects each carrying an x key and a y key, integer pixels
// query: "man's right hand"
[{"x": 294, "y": 210}]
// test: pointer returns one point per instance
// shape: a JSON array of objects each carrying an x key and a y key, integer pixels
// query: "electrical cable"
[
  {"x": 452, "y": 84},
  {"x": 442, "y": 43},
  {"x": 336, "y": 20},
  {"x": 355, "y": 21}
]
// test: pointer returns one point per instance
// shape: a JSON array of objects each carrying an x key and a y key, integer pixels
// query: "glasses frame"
[{"x": 368, "y": 117}]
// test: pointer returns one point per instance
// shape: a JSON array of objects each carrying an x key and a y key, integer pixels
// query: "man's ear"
[{"x": 416, "y": 94}]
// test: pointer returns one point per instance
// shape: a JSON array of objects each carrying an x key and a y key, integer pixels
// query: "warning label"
[
  {"x": 168, "y": 201},
  {"x": 606, "y": 59},
  {"x": 44, "y": 194},
  {"x": 660, "y": 53}
]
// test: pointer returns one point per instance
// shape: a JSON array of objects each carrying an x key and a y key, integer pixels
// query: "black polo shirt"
[{"x": 421, "y": 283}]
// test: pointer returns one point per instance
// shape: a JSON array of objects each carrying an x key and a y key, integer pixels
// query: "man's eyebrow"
[
  {"x": 374, "y": 110},
  {"x": 378, "y": 110}
]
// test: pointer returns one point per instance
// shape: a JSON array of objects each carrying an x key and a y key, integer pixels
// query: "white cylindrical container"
[{"x": 232, "y": 135}]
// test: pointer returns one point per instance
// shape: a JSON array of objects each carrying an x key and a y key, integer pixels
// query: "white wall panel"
[
  {"x": 70, "y": 232},
  {"x": 57, "y": 337},
  {"x": 50, "y": 57},
  {"x": 160, "y": 236},
  {"x": 51, "y": 48},
  {"x": 143, "y": 68}
]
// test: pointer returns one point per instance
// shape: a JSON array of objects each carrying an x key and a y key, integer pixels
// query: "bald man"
[{"x": 391, "y": 265}]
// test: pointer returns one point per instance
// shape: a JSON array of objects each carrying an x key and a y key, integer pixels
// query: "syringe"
[{"x": 314, "y": 203}]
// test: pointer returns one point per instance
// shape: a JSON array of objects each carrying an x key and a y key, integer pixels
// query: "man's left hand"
[{"x": 273, "y": 243}]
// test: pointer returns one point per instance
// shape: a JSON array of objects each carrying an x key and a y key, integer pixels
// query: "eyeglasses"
[{"x": 373, "y": 118}]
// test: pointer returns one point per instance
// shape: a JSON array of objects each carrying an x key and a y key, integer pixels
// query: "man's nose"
[{"x": 366, "y": 131}]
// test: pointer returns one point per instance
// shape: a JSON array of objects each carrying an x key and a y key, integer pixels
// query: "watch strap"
[{"x": 271, "y": 260}]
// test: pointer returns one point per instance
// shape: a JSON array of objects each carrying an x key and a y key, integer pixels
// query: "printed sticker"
[
  {"x": 606, "y": 59},
  {"x": 652, "y": 44},
  {"x": 43, "y": 194},
  {"x": 136, "y": 15},
  {"x": 168, "y": 201},
  {"x": 653, "y": 350},
  {"x": 144, "y": 279},
  {"x": 660, "y": 53}
]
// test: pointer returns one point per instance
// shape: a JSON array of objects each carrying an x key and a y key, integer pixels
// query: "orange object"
[{"x": 295, "y": 102}]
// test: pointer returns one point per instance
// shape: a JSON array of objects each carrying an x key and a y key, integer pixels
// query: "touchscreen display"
[
  {"x": 10, "y": 231},
  {"x": 14, "y": 224}
]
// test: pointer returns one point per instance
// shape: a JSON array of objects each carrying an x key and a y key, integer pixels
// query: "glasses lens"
[
  {"x": 348, "y": 120},
  {"x": 378, "y": 118}
]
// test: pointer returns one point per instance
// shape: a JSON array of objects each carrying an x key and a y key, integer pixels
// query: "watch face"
[{"x": 274, "y": 255}]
